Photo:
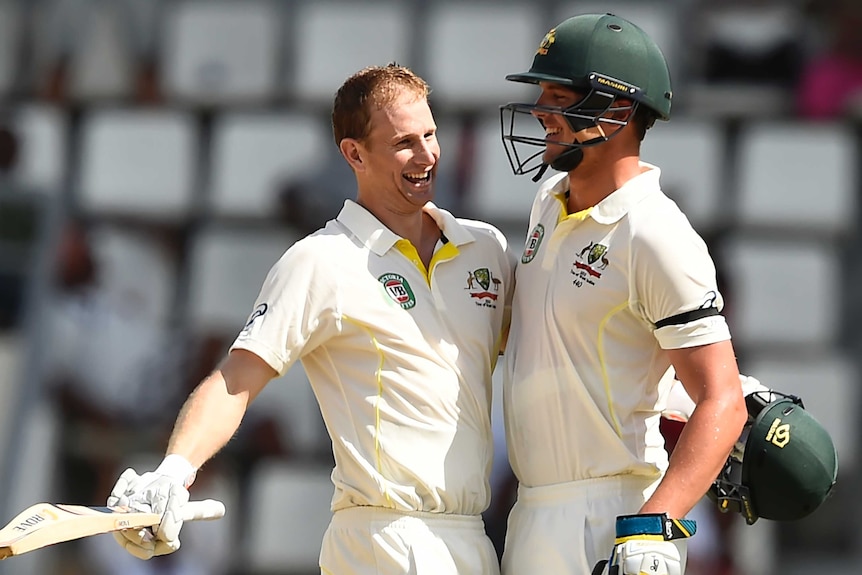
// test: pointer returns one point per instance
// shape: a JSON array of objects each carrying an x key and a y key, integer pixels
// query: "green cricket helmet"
[
  {"x": 605, "y": 58},
  {"x": 784, "y": 466}
]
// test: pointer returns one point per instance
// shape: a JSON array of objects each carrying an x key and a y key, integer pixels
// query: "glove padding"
[
  {"x": 151, "y": 493},
  {"x": 641, "y": 556},
  {"x": 643, "y": 545}
]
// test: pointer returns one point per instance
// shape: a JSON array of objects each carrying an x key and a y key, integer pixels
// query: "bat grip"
[{"x": 205, "y": 509}]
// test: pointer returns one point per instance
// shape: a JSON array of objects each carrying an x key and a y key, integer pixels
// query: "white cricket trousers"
[
  {"x": 565, "y": 529},
  {"x": 376, "y": 541}
]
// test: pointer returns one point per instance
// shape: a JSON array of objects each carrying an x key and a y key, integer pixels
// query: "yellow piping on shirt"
[
  {"x": 379, "y": 380},
  {"x": 605, "y": 379}
]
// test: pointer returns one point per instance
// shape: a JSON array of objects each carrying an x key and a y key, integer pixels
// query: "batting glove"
[
  {"x": 163, "y": 491},
  {"x": 644, "y": 545}
]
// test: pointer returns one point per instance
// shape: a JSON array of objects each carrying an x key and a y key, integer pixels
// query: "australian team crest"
[
  {"x": 483, "y": 285},
  {"x": 398, "y": 289},
  {"x": 533, "y": 243},
  {"x": 549, "y": 39},
  {"x": 595, "y": 255}
]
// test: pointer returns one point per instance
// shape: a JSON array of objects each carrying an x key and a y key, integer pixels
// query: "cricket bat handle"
[{"x": 203, "y": 510}]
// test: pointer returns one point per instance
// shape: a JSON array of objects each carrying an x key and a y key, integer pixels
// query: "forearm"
[
  {"x": 209, "y": 418},
  {"x": 698, "y": 457}
]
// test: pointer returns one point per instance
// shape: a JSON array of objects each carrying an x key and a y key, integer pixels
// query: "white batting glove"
[
  {"x": 640, "y": 556},
  {"x": 644, "y": 545},
  {"x": 163, "y": 491}
]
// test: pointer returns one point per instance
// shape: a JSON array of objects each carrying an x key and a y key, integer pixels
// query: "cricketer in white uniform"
[
  {"x": 614, "y": 287},
  {"x": 584, "y": 386},
  {"x": 400, "y": 360},
  {"x": 397, "y": 311}
]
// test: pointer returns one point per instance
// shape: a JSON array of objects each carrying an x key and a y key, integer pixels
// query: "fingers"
[
  {"x": 120, "y": 493},
  {"x": 172, "y": 516},
  {"x": 134, "y": 543}
]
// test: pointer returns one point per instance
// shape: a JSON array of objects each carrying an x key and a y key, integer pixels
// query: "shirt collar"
[
  {"x": 379, "y": 239},
  {"x": 617, "y": 204}
]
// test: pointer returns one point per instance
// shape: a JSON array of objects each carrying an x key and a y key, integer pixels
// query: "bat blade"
[{"x": 46, "y": 524}]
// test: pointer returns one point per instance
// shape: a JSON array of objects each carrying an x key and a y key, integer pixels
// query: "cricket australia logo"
[
  {"x": 398, "y": 289},
  {"x": 533, "y": 243},
  {"x": 483, "y": 286},
  {"x": 589, "y": 263},
  {"x": 547, "y": 41}
]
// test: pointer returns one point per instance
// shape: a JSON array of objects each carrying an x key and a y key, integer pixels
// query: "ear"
[{"x": 353, "y": 152}]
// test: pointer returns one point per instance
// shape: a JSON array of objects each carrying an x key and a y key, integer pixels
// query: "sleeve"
[
  {"x": 675, "y": 286},
  {"x": 508, "y": 263},
  {"x": 295, "y": 311}
]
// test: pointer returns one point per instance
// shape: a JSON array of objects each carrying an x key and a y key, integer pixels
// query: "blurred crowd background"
[{"x": 158, "y": 156}]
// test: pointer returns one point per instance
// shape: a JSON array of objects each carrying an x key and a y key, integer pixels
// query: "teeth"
[
  {"x": 552, "y": 131},
  {"x": 419, "y": 176}
]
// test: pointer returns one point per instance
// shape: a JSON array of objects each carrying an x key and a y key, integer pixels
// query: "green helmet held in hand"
[
  {"x": 603, "y": 57},
  {"x": 784, "y": 466}
]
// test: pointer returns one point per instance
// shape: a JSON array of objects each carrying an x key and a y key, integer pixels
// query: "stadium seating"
[
  {"x": 226, "y": 270},
  {"x": 140, "y": 163},
  {"x": 288, "y": 514},
  {"x": 786, "y": 292},
  {"x": 220, "y": 53},
  {"x": 798, "y": 177},
  {"x": 43, "y": 160},
  {"x": 255, "y": 153},
  {"x": 332, "y": 40},
  {"x": 470, "y": 47}
]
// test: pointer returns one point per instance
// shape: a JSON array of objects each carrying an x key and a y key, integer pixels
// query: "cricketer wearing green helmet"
[
  {"x": 607, "y": 59},
  {"x": 615, "y": 290}
]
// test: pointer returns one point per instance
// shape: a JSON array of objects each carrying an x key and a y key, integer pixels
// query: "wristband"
[
  {"x": 178, "y": 468},
  {"x": 656, "y": 526}
]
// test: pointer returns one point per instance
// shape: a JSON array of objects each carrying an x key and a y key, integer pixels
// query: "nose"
[{"x": 427, "y": 152}]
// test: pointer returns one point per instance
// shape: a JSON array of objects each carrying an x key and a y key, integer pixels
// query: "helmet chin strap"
[{"x": 568, "y": 160}]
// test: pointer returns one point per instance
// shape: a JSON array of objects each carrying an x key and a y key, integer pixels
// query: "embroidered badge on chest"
[
  {"x": 483, "y": 286},
  {"x": 398, "y": 289},
  {"x": 589, "y": 264},
  {"x": 533, "y": 243}
]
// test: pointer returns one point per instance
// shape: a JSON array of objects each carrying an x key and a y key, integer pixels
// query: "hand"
[
  {"x": 162, "y": 491},
  {"x": 641, "y": 556},
  {"x": 644, "y": 545}
]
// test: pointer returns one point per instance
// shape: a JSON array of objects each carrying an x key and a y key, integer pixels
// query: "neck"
[
  {"x": 415, "y": 226},
  {"x": 591, "y": 183}
]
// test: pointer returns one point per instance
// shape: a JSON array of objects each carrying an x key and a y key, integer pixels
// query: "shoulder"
[
  {"x": 324, "y": 248},
  {"x": 657, "y": 214},
  {"x": 484, "y": 232}
]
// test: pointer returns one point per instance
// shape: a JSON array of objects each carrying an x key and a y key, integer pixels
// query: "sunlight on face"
[
  {"x": 558, "y": 128},
  {"x": 402, "y": 152}
]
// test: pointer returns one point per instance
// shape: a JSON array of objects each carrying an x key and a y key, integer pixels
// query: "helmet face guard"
[
  {"x": 521, "y": 135},
  {"x": 783, "y": 466}
]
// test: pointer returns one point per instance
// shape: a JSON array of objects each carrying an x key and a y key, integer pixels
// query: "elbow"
[{"x": 736, "y": 414}]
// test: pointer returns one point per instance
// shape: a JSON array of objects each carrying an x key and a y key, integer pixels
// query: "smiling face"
[
  {"x": 558, "y": 131},
  {"x": 598, "y": 117},
  {"x": 396, "y": 163}
]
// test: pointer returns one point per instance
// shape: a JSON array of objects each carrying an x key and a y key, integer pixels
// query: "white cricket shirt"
[
  {"x": 400, "y": 360},
  {"x": 582, "y": 392}
]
